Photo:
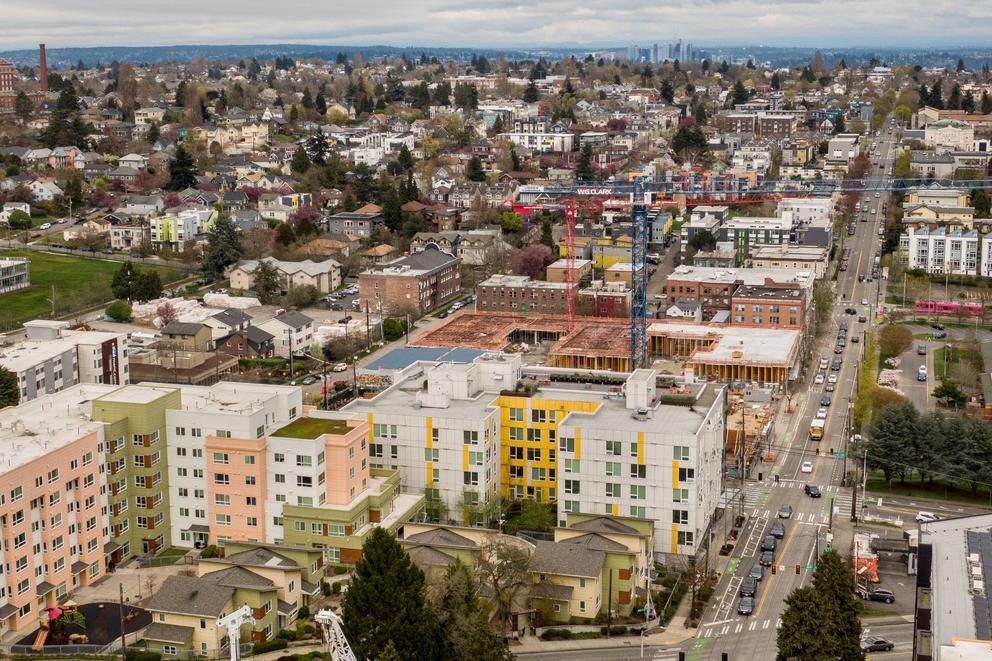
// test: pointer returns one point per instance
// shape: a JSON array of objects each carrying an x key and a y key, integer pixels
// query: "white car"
[
  {"x": 876, "y": 194},
  {"x": 819, "y": 378},
  {"x": 832, "y": 378},
  {"x": 926, "y": 517},
  {"x": 340, "y": 367},
  {"x": 864, "y": 301},
  {"x": 824, "y": 363},
  {"x": 46, "y": 226},
  {"x": 821, "y": 413},
  {"x": 807, "y": 467}
]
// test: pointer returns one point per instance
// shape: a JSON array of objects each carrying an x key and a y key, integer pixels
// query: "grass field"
[
  {"x": 79, "y": 282},
  {"x": 936, "y": 490}
]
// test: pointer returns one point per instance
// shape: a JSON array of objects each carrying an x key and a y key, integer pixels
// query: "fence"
[
  {"x": 166, "y": 560},
  {"x": 112, "y": 651}
]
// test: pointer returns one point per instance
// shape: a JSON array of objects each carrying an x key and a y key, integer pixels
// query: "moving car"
[
  {"x": 940, "y": 335},
  {"x": 838, "y": 349},
  {"x": 812, "y": 491},
  {"x": 926, "y": 517},
  {"x": 850, "y": 311},
  {"x": 785, "y": 512},
  {"x": 825, "y": 400},
  {"x": 309, "y": 381},
  {"x": 832, "y": 378},
  {"x": 757, "y": 572},
  {"x": 921, "y": 374},
  {"x": 748, "y": 587},
  {"x": 824, "y": 363},
  {"x": 819, "y": 378},
  {"x": 769, "y": 543},
  {"x": 767, "y": 559},
  {"x": 807, "y": 467},
  {"x": 937, "y": 326},
  {"x": 864, "y": 301},
  {"x": 821, "y": 413},
  {"x": 340, "y": 367},
  {"x": 835, "y": 366},
  {"x": 746, "y": 607},
  {"x": 856, "y": 339},
  {"x": 921, "y": 349},
  {"x": 777, "y": 530},
  {"x": 862, "y": 319},
  {"x": 830, "y": 387},
  {"x": 876, "y": 644}
]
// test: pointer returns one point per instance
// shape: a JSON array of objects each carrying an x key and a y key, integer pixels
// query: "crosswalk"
[
  {"x": 737, "y": 626},
  {"x": 756, "y": 497},
  {"x": 666, "y": 655}
]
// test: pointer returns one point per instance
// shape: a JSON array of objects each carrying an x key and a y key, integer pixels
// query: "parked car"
[
  {"x": 748, "y": 587},
  {"x": 757, "y": 572},
  {"x": 340, "y": 367},
  {"x": 345, "y": 319},
  {"x": 309, "y": 381},
  {"x": 767, "y": 559},
  {"x": 881, "y": 594},
  {"x": 876, "y": 644},
  {"x": 940, "y": 335},
  {"x": 785, "y": 512},
  {"x": 855, "y": 339},
  {"x": 838, "y": 349},
  {"x": 45, "y": 226},
  {"x": 862, "y": 319},
  {"x": 926, "y": 517},
  {"x": 746, "y": 606},
  {"x": 777, "y": 530},
  {"x": 812, "y": 491},
  {"x": 937, "y": 326},
  {"x": 807, "y": 467}
]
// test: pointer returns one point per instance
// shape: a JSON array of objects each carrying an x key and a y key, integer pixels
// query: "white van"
[{"x": 921, "y": 375}]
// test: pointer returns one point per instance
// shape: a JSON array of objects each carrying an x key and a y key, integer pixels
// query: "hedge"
[
  {"x": 618, "y": 630},
  {"x": 138, "y": 655},
  {"x": 270, "y": 645}
]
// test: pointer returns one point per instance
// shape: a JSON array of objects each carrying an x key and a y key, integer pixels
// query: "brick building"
[
  {"x": 414, "y": 284},
  {"x": 521, "y": 295},
  {"x": 714, "y": 289},
  {"x": 757, "y": 306}
]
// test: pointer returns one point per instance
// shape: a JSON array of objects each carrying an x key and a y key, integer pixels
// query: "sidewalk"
[{"x": 672, "y": 637}]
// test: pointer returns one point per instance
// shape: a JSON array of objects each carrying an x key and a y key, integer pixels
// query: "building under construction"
[
  {"x": 749, "y": 430},
  {"x": 715, "y": 352}
]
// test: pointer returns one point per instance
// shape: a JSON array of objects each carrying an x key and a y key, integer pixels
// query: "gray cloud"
[{"x": 485, "y": 23}]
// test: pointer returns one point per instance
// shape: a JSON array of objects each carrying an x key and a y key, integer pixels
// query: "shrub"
[
  {"x": 340, "y": 570},
  {"x": 556, "y": 634},
  {"x": 119, "y": 311},
  {"x": 309, "y": 629},
  {"x": 270, "y": 646},
  {"x": 618, "y": 630},
  {"x": 143, "y": 655},
  {"x": 211, "y": 551},
  {"x": 325, "y": 587},
  {"x": 336, "y": 588},
  {"x": 286, "y": 634},
  {"x": 303, "y": 613}
]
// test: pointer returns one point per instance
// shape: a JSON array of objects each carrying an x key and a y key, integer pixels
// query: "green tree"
[
  {"x": 803, "y": 635},
  {"x": 464, "y": 619},
  {"x": 153, "y": 133},
  {"x": 19, "y": 220},
  {"x": 474, "y": 171},
  {"x": 386, "y": 603},
  {"x": 300, "y": 162},
  {"x": 583, "y": 168},
  {"x": 119, "y": 310},
  {"x": 889, "y": 439},
  {"x": 740, "y": 94},
  {"x": 834, "y": 586},
  {"x": 393, "y": 328},
  {"x": 688, "y": 143},
  {"x": 302, "y": 297},
  {"x": 147, "y": 285},
  {"x": 510, "y": 222},
  {"x": 502, "y": 568},
  {"x": 182, "y": 171},
  {"x": 547, "y": 234},
  {"x": 10, "y": 391},
  {"x": 535, "y": 516},
  {"x": 223, "y": 247},
  {"x": 122, "y": 284},
  {"x": 531, "y": 95},
  {"x": 267, "y": 283},
  {"x": 980, "y": 200},
  {"x": 986, "y": 103},
  {"x": 703, "y": 241},
  {"x": 950, "y": 392},
  {"x": 405, "y": 158},
  {"x": 23, "y": 107}
]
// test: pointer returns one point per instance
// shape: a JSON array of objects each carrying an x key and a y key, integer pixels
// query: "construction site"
[
  {"x": 750, "y": 424},
  {"x": 714, "y": 352}
]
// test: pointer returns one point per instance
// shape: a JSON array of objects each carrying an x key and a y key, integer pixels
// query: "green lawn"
[
  {"x": 312, "y": 428},
  {"x": 937, "y": 490},
  {"x": 79, "y": 282}
]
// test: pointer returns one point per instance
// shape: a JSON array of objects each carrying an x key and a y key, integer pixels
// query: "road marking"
[
  {"x": 739, "y": 628},
  {"x": 766, "y": 624},
  {"x": 752, "y": 626},
  {"x": 778, "y": 623},
  {"x": 724, "y": 630}
]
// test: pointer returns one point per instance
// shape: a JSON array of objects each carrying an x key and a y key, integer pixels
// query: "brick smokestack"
[{"x": 44, "y": 68}]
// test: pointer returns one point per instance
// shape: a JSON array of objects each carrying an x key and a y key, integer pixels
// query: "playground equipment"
[
  {"x": 337, "y": 644},
  {"x": 233, "y": 624}
]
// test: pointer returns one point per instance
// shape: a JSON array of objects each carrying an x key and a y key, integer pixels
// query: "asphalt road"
[
  {"x": 723, "y": 630},
  {"x": 629, "y": 650}
]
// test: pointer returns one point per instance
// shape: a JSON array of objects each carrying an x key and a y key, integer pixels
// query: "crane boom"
[
  {"x": 337, "y": 644},
  {"x": 233, "y": 624}
]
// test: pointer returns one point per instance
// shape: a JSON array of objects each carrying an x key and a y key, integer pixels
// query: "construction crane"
[
  {"x": 337, "y": 644},
  {"x": 233, "y": 623}
]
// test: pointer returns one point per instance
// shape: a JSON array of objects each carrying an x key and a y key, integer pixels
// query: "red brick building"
[
  {"x": 521, "y": 295},
  {"x": 415, "y": 284},
  {"x": 768, "y": 307}
]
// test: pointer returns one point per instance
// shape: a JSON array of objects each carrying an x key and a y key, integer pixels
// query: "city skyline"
[{"x": 470, "y": 23}]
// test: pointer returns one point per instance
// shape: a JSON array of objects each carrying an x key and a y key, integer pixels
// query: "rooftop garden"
[{"x": 312, "y": 428}]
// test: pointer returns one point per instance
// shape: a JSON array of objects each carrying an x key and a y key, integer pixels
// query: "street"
[
  {"x": 628, "y": 649},
  {"x": 814, "y": 522}
]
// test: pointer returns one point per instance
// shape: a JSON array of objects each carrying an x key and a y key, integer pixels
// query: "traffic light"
[
  {"x": 774, "y": 569},
  {"x": 798, "y": 569}
]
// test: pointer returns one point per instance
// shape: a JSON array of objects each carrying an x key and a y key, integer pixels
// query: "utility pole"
[
  {"x": 323, "y": 386},
  {"x": 408, "y": 328},
  {"x": 291, "y": 353},
  {"x": 368, "y": 330},
  {"x": 120, "y": 606}
]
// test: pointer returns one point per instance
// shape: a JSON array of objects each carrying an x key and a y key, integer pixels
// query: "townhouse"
[
  {"x": 325, "y": 276},
  {"x": 292, "y": 332}
]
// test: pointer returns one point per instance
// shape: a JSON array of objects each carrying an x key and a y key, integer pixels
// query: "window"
[
  {"x": 251, "y": 501},
  {"x": 612, "y": 469},
  {"x": 220, "y": 458},
  {"x": 16, "y": 494},
  {"x": 687, "y": 475},
  {"x": 223, "y": 519},
  {"x": 250, "y": 480},
  {"x": 571, "y": 465},
  {"x": 582, "y": 606},
  {"x": 516, "y": 472},
  {"x": 637, "y": 492},
  {"x": 572, "y": 487},
  {"x": 612, "y": 490},
  {"x": 614, "y": 448},
  {"x": 279, "y": 457},
  {"x": 680, "y": 453},
  {"x": 475, "y": 458},
  {"x": 685, "y": 538},
  {"x": 251, "y": 521},
  {"x": 534, "y": 435},
  {"x": 516, "y": 433},
  {"x": 222, "y": 499},
  {"x": 567, "y": 444},
  {"x": 471, "y": 477},
  {"x": 538, "y": 415},
  {"x": 517, "y": 415},
  {"x": 537, "y": 474},
  {"x": 638, "y": 471},
  {"x": 280, "y": 478},
  {"x": 21, "y": 564},
  {"x": 335, "y": 530},
  {"x": 222, "y": 478},
  {"x": 432, "y": 454},
  {"x": 639, "y": 511},
  {"x": 304, "y": 481},
  {"x": 250, "y": 459},
  {"x": 533, "y": 454},
  {"x": 516, "y": 452},
  {"x": 680, "y": 495},
  {"x": 304, "y": 460},
  {"x": 223, "y": 433},
  {"x": 470, "y": 436},
  {"x": 169, "y": 650},
  {"x": 680, "y": 517}
]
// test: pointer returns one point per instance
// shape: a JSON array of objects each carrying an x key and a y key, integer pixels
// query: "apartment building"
[
  {"x": 757, "y": 306},
  {"x": 713, "y": 288},
  {"x": 292, "y": 333},
  {"x": 15, "y": 273},
  {"x": 325, "y": 276},
  {"x": 54, "y": 358},
  {"x": 744, "y": 232},
  {"x": 52, "y": 502},
  {"x": 520, "y": 294},
  {"x": 948, "y": 250},
  {"x": 415, "y": 284},
  {"x": 805, "y": 210},
  {"x": 790, "y": 258},
  {"x": 482, "y": 433},
  {"x": 173, "y": 230}
]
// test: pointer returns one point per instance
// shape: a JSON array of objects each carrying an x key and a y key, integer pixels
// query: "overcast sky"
[{"x": 525, "y": 23}]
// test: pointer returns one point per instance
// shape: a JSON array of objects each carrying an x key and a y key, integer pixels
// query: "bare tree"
[{"x": 503, "y": 567}]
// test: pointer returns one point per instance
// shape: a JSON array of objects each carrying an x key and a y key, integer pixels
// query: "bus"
[{"x": 816, "y": 429}]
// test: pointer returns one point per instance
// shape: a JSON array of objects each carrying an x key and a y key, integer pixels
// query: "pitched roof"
[
  {"x": 294, "y": 319},
  {"x": 260, "y": 557},
  {"x": 597, "y": 542},
  {"x": 181, "y": 328},
  {"x": 191, "y": 596},
  {"x": 548, "y": 590},
  {"x": 441, "y": 537},
  {"x": 232, "y": 317},
  {"x": 168, "y": 633},
  {"x": 605, "y": 524},
  {"x": 566, "y": 560},
  {"x": 239, "y": 577},
  {"x": 426, "y": 557},
  {"x": 369, "y": 208}
]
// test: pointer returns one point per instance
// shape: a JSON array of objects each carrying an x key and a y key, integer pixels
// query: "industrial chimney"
[{"x": 44, "y": 68}]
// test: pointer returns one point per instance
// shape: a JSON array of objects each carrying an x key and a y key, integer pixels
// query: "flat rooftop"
[
  {"x": 614, "y": 414},
  {"x": 745, "y": 276},
  {"x": 310, "y": 428},
  {"x": 38, "y": 426},
  {"x": 26, "y": 355},
  {"x": 403, "y": 357},
  {"x": 502, "y": 280},
  {"x": 735, "y": 345}
]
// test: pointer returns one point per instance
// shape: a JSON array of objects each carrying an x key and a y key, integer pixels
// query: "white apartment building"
[
  {"x": 805, "y": 210},
  {"x": 954, "y": 251},
  {"x": 225, "y": 410},
  {"x": 54, "y": 358},
  {"x": 635, "y": 456},
  {"x": 293, "y": 332}
]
